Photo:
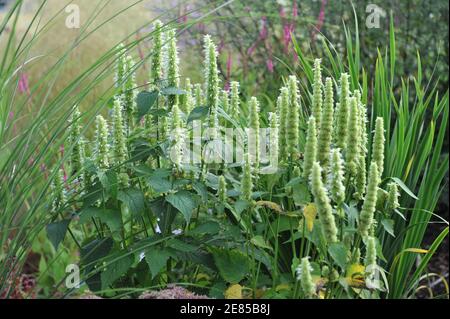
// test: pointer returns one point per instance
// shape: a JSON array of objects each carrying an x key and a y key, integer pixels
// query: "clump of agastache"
[
  {"x": 304, "y": 276},
  {"x": 246, "y": 181},
  {"x": 336, "y": 178},
  {"x": 253, "y": 138},
  {"x": 393, "y": 196},
  {"x": 101, "y": 143},
  {"x": 326, "y": 126},
  {"x": 58, "y": 191},
  {"x": 234, "y": 100},
  {"x": 173, "y": 73},
  {"x": 368, "y": 209},
  {"x": 292, "y": 129},
  {"x": 323, "y": 205},
  {"x": 211, "y": 80},
  {"x": 222, "y": 190},
  {"x": 352, "y": 155},
  {"x": 156, "y": 73},
  {"x": 317, "y": 94},
  {"x": 283, "y": 109},
  {"x": 378, "y": 145},
  {"x": 309, "y": 156},
  {"x": 341, "y": 121}
]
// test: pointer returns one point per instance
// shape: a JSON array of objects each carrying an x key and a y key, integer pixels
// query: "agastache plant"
[
  {"x": 323, "y": 205},
  {"x": 317, "y": 93},
  {"x": 211, "y": 79},
  {"x": 352, "y": 155},
  {"x": 101, "y": 143},
  {"x": 246, "y": 181},
  {"x": 304, "y": 276},
  {"x": 58, "y": 191},
  {"x": 341, "y": 115},
  {"x": 119, "y": 143},
  {"x": 283, "y": 108},
  {"x": 76, "y": 141},
  {"x": 234, "y": 100},
  {"x": 173, "y": 73},
  {"x": 253, "y": 138},
  {"x": 129, "y": 95},
  {"x": 156, "y": 73},
  {"x": 336, "y": 178},
  {"x": 292, "y": 129},
  {"x": 378, "y": 145},
  {"x": 368, "y": 209},
  {"x": 326, "y": 126}
]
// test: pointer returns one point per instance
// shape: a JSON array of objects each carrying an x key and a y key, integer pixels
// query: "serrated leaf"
[
  {"x": 183, "y": 201},
  {"x": 388, "y": 225},
  {"x": 115, "y": 269},
  {"x": 156, "y": 259},
  {"x": 339, "y": 253},
  {"x": 110, "y": 217},
  {"x": 144, "y": 102},
  {"x": 301, "y": 194},
  {"x": 259, "y": 241},
  {"x": 134, "y": 199},
  {"x": 198, "y": 113},
  {"x": 233, "y": 265},
  {"x": 57, "y": 231}
]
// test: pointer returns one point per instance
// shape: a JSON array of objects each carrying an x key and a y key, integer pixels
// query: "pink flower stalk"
[
  {"x": 295, "y": 10},
  {"x": 263, "y": 32},
  {"x": 251, "y": 49},
  {"x": 282, "y": 13},
  {"x": 320, "y": 20},
  {"x": 269, "y": 64},
  {"x": 23, "y": 84},
  {"x": 288, "y": 29}
]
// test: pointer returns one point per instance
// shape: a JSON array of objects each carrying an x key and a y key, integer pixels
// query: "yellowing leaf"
[
  {"x": 282, "y": 287},
  {"x": 233, "y": 292},
  {"x": 271, "y": 205},
  {"x": 416, "y": 250},
  {"x": 310, "y": 213},
  {"x": 355, "y": 275}
]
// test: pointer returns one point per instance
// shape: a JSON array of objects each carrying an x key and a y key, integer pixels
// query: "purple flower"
[
  {"x": 320, "y": 20},
  {"x": 263, "y": 30},
  {"x": 23, "y": 84},
  {"x": 269, "y": 64}
]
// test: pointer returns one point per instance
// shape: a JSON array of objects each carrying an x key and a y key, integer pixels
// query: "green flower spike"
[
  {"x": 322, "y": 202},
  {"x": 304, "y": 276},
  {"x": 254, "y": 143},
  {"x": 326, "y": 128},
  {"x": 292, "y": 129},
  {"x": 222, "y": 190},
  {"x": 283, "y": 108},
  {"x": 393, "y": 196},
  {"x": 353, "y": 139},
  {"x": 317, "y": 93},
  {"x": 378, "y": 145},
  {"x": 157, "y": 55},
  {"x": 370, "y": 201},
  {"x": 246, "y": 182},
  {"x": 173, "y": 73},
  {"x": 101, "y": 143},
  {"x": 340, "y": 135},
  {"x": 234, "y": 100},
  {"x": 336, "y": 178}
]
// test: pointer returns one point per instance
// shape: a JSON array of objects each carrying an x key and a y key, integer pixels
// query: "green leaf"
[
  {"x": 198, "y": 113},
  {"x": 115, "y": 269},
  {"x": 109, "y": 182},
  {"x": 184, "y": 201},
  {"x": 388, "y": 225},
  {"x": 172, "y": 91},
  {"x": 260, "y": 242},
  {"x": 294, "y": 182},
  {"x": 57, "y": 231},
  {"x": 233, "y": 265},
  {"x": 241, "y": 205},
  {"x": 339, "y": 253},
  {"x": 301, "y": 194},
  {"x": 159, "y": 181},
  {"x": 144, "y": 102},
  {"x": 95, "y": 250},
  {"x": 181, "y": 245},
  {"x": 110, "y": 217},
  {"x": 134, "y": 199},
  {"x": 156, "y": 259},
  {"x": 210, "y": 228},
  {"x": 404, "y": 187}
]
